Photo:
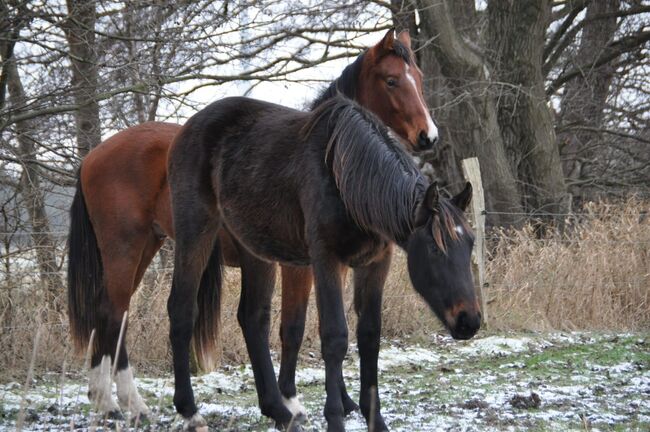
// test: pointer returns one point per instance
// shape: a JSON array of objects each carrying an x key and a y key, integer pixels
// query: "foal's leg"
[
  {"x": 196, "y": 231},
  {"x": 296, "y": 285},
  {"x": 127, "y": 392},
  {"x": 333, "y": 334},
  {"x": 368, "y": 286},
  {"x": 254, "y": 315}
]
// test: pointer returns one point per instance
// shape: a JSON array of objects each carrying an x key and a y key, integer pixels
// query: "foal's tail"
[
  {"x": 85, "y": 272},
  {"x": 206, "y": 325}
]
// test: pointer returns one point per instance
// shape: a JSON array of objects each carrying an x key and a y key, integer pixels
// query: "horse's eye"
[{"x": 391, "y": 82}]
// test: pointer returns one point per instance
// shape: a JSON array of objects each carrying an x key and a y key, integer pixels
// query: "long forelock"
[
  {"x": 403, "y": 52},
  {"x": 445, "y": 220},
  {"x": 378, "y": 181}
]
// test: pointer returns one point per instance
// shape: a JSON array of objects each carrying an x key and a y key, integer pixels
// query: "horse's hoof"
[
  {"x": 337, "y": 425},
  {"x": 196, "y": 423},
  {"x": 293, "y": 426},
  {"x": 114, "y": 415},
  {"x": 379, "y": 425},
  {"x": 349, "y": 406}
]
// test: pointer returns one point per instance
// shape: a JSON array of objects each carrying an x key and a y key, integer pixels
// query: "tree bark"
[
  {"x": 30, "y": 189},
  {"x": 516, "y": 34},
  {"x": 470, "y": 116},
  {"x": 80, "y": 33},
  {"x": 584, "y": 97}
]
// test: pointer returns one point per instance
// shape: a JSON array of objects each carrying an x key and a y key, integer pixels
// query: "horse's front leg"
[
  {"x": 296, "y": 286},
  {"x": 333, "y": 334},
  {"x": 368, "y": 286}
]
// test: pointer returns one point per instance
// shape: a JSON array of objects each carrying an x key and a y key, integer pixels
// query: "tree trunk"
[
  {"x": 80, "y": 33},
  {"x": 30, "y": 189},
  {"x": 470, "y": 118},
  {"x": 584, "y": 97},
  {"x": 516, "y": 33}
]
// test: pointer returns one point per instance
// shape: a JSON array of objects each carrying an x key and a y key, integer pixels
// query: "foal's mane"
[
  {"x": 379, "y": 183},
  {"x": 378, "y": 180}
]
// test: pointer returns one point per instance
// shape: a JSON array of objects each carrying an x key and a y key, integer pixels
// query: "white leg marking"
[
  {"x": 127, "y": 393},
  {"x": 100, "y": 388},
  {"x": 432, "y": 130},
  {"x": 295, "y": 406}
]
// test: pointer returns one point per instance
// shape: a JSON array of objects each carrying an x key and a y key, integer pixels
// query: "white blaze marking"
[
  {"x": 432, "y": 130},
  {"x": 127, "y": 393},
  {"x": 459, "y": 229},
  {"x": 100, "y": 387}
]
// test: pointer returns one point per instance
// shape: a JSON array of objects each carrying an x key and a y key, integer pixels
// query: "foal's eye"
[{"x": 391, "y": 82}]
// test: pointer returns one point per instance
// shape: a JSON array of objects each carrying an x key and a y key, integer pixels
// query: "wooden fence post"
[{"x": 472, "y": 172}]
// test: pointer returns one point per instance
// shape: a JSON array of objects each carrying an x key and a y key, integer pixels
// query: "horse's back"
[{"x": 125, "y": 178}]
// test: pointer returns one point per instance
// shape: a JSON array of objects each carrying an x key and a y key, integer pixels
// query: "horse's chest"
[{"x": 351, "y": 245}]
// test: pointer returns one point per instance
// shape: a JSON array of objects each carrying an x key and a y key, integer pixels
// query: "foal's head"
[
  {"x": 439, "y": 252},
  {"x": 390, "y": 85}
]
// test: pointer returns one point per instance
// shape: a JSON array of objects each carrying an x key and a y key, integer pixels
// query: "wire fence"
[{"x": 21, "y": 271}]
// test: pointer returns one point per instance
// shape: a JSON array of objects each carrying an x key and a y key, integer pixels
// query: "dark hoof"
[
  {"x": 337, "y": 425},
  {"x": 378, "y": 425},
  {"x": 349, "y": 406},
  {"x": 114, "y": 415}
]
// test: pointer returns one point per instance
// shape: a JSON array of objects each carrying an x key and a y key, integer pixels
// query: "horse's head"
[
  {"x": 439, "y": 252},
  {"x": 390, "y": 85}
]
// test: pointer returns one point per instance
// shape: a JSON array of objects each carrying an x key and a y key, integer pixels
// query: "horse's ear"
[
  {"x": 462, "y": 199},
  {"x": 405, "y": 38},
  {"x": 387, "y": 42},
  {"x": 431, "y": 197}
]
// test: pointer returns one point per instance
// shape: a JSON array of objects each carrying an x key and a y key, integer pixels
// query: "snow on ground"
[{"x": 491, "y": 383}]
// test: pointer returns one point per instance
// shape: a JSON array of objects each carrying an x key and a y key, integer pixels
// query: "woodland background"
[{"x": 551, "y": 96}]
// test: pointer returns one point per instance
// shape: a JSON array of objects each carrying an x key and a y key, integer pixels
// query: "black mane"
[
  {"x": 346, "y": 83},
  {"x": 379, "y": 183}
]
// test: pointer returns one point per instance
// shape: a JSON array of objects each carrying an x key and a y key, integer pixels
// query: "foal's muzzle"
[{"x": 424, "y": 143}]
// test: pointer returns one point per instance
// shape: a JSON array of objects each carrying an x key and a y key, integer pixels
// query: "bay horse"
[
  {"x": 121, "y": 215},
  {"x": 332, "y": 189}
]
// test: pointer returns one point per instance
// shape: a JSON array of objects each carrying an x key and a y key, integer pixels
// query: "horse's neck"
[
  {"x": 379, "y": 186},
  {"x": 346, "y": 84}
]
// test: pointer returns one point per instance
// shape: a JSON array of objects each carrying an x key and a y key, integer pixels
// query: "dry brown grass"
[{"x": 594, "y": 276}]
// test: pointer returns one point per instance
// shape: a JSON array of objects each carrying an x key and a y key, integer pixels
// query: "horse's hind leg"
[
  {"x": 254, "y": 315},
  {"x": 296, "y": 285},
  {"x": 121, "y": 257},
  {"x": 127, "y": 393},
  {"x": 196, "y": 232}
]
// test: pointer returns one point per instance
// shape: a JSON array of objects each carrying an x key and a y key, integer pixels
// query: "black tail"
[
  {"x": 206, "y": 326},
  {"x": 85, "y": 273}
]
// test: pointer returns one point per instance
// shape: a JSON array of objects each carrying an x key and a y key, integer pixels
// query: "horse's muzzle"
[
  {"x": 466, "y": 325},
  {"x": 424, "y": 143}
]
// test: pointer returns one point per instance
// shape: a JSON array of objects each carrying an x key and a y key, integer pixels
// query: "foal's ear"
[
  {"x": 431, "y": 197},
  {"x": 405, "y": 38},
  {"x": 389, "y": 39},
  {"x": 462, "y": 199}
]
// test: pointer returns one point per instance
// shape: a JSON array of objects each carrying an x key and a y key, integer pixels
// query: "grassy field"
[{"x": 532, "y": 381}]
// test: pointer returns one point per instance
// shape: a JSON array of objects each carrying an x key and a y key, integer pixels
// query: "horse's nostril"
[
  {"x": 466, "y": 324},
  {"x": 424, "y": 143}
]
